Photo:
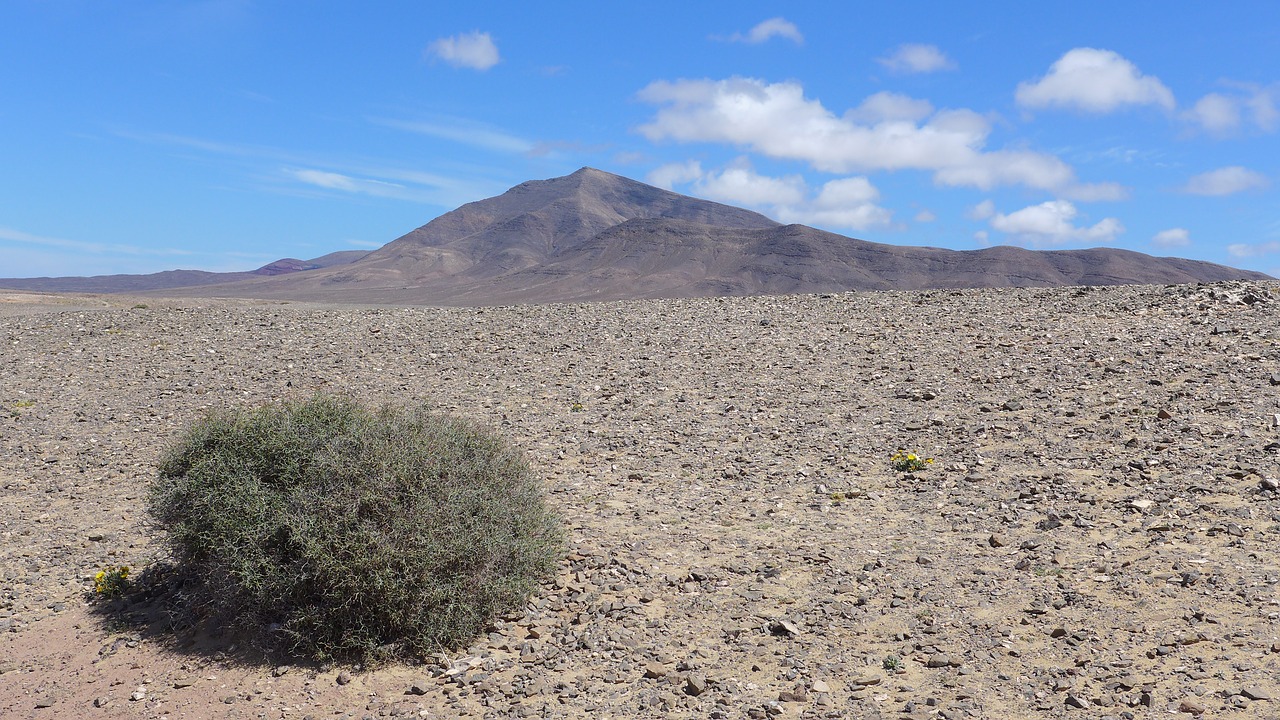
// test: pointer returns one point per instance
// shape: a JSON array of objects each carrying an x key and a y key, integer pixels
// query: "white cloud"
[
  {"x": 771, "y": 28},
  {"x": 926, "y": 216},
  {"x": 1216, "y": 113},
  {"x": 885, "y": 106},
  {"x": 1172, "y": 238},
  {"x": 1225, "y": 181},
  {"x": 1223, "y": 114},
  {"x": 740, "y": 185},
  {"x": 1093, "y": 80},
  {"x": 463, "y": 131},
  {"x": 982, "y": 211},
  {"x": 80, "y": 246},
  {"x": 1052, "y": 223},
  {"x": 915, "y": 58},
  {"x": 848, "y": 203},
  {"x": 1246, "y": 250},
  {"x": 672, "y": 174},
  {"x": 475, "y": 50},
  {"x": 777, "y": 120},
  {"x": 346, "y": 183}
]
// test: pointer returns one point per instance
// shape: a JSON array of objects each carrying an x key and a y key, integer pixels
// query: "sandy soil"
[{"x": 1095, "y": 539}]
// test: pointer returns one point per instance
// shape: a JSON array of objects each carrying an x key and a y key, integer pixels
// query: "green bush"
[{"x": 331, "y": 531}]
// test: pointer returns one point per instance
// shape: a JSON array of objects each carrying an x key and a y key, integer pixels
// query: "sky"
[{"x": 146, "y": 135}]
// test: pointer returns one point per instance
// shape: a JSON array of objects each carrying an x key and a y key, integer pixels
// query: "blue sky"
[{"x": 224, "y": 134}]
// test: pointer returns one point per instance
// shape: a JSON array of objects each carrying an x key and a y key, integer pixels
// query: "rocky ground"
[{"x": 1096, "y": 537}]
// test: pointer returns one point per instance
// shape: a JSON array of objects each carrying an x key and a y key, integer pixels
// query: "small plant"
[
  {"x": 904, "y": 461},
  {"x": 838, "y": 497},
  {"x": 140, "y": 306},
  {"x": 577, "y": 407},
  {"x": 111, "y": 581},
  {"x": 892, "y": 663},
  {"x": 331, "y": 531}
]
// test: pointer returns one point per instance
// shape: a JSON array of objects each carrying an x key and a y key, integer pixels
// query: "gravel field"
[{"x": 1096, "y": 537}]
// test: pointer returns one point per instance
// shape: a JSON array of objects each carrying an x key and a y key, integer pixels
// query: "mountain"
[
  {"x": 171, "y": 279},
  {"x": 593, "y": 235}
]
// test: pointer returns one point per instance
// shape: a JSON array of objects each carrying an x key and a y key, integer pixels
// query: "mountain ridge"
[{"x": 593, "y": 235}]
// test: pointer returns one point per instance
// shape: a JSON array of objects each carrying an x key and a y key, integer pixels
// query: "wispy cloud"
[
  {"x": 916, "y": 58},
  {"x": 80, "y": 246},
  {"x": 278, "y": 170},
  {"x": 1225, "y": 181},
  {"x": 769, "y": 29},
  {"x": 1252, "y": 250},
  {"x": 462, "y": 131},
  {"x": 474, "y": 50},
  {"x": 1172, "y": 238}
]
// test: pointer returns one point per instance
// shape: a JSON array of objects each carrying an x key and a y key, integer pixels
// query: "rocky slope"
[{"x": 1095, "y": 538}]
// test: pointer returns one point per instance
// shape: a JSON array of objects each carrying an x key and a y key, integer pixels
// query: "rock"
[
  {"x": 1254, "y": 692},
  {"x": 101, "y": 701},
  {"x": 796, "y": 694},
  {"x": 1012, "y": 405},
  {"x": 1075, "y": 701},
  {"x": 139, "y": 694},
  {"x": 183, "y": 682},
  {"x": 1192, "y": 706},
  {"x": 44, "y": 702},
  {"x": 820, "y": 686},
  {"x": 343, "y": 678},
  {"x": 938, "y": 660},
  {"x": 419, "y": 689},
  {"x": 655, "y": 670},
  {"x": 696, "y": 684},
  {"x": 784, "y": 628},
  {"x": 997, "y": 540}
]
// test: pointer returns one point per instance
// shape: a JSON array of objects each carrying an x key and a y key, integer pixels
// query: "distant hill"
[
  {"x": 593, "y": 235},
  {"x": 170, "y": 279}
]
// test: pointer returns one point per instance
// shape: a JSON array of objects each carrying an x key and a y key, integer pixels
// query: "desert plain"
[{"x": 1095, "y": 536}]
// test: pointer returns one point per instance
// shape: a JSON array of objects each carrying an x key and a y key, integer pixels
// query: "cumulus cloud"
[
  {"x": 1251, "y": 250},
  {"x": 769, "y": 29},
  {"x": 1218, "y": 114},
  {"x": 926, "y": 216},
  {"x": 848, "y": 203},
  {"x": 1227, "y": 113},
  {"x": 1225, "y": 181},
  {"x": 887, "y": 132},
  {"x": 916, "y": 58},
  {"x": 887, "y": 106},
  {"x": 1052, "y": 223},
  {"x": 1172, "y": 238},
  {"x": 475, "y": 50},
  {"x": 1096, "y": 81},
  {"x": 672, "y": 174}
]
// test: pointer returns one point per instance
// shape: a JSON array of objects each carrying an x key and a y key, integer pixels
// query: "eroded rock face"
[{"x": 1095, "y": 534}]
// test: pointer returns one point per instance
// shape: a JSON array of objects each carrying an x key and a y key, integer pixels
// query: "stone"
[
  {"x": 938, "y": 660},
  {"x": 1075, "y": 701},
  {"x": 655, "y": 670},
  {"x": 1192, "y": 706},
  {"x": 1254, "y": 692},
  {"x": 343, "y": 678},
  {"x": 784, "y": 627},
  {"x": 997, "y": 540},
  {"x": 696, "y": 684}
]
